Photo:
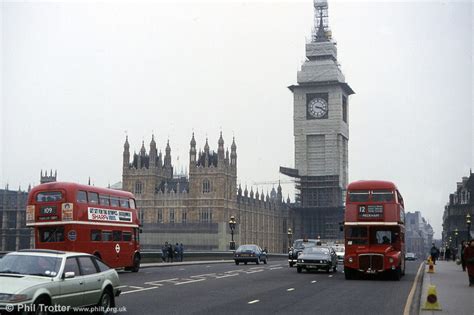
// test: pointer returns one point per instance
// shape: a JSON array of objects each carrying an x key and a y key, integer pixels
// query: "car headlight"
[
  {"x": 390, "y": 260},
  {"x": 13, "y": 298},
  {"x": 351, "y": 260}
]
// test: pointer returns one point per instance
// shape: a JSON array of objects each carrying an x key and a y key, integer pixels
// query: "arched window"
[
  {"x": 206, "y": 186},
  {"x": 138, "y": 187}
]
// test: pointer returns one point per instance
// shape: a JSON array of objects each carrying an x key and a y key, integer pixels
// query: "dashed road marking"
[
  {"x": 139, "y": 290},
  {"x": 314, "y": 281},
  {"x": 290, "y": 289},
  {"x": 135, "y": 287},
  {"x": 190, "y": 281},
  {"x": 276, "y": 268},
  {"x": 330, "y": 276},
  {"x": 254, "y": 301}
]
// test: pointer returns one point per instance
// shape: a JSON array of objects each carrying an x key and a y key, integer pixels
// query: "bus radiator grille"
[{"x": 372, "y": 262}]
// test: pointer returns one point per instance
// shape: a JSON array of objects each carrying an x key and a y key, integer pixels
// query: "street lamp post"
[
  {"x": 232, "y": 224},
  {"x": 456, "y": 232},
  {"x": 468, "y": 223},
  {"x": 290, "y": 234}
]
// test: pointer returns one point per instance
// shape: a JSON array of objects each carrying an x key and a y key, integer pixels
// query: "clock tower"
[{"x": 321, "y": 131}]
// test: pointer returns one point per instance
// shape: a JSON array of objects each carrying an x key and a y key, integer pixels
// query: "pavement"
[{"x": 452, "y": 288}]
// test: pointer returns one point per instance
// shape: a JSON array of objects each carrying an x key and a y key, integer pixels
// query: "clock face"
[{"x": 317, "y": 107}]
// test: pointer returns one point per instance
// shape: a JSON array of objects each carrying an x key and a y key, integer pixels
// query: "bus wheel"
[
  {"x": 397, "y": 273},
  {"x": 348, "y": 274},
  {"x": 136, "y": 263}
]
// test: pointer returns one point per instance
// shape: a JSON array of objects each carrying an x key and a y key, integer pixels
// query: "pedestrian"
[
  {"x": 434, "y": 252},
  {"x": 464, "y": 244},
  {"x": 469, "y": 256},
  {"x": 448, "y": 254},
  {"x": 164, "y": 252},
  {"x": 170, "y": 253},
  {"x": 455, "y": 253},
  {"x": 181, "y": 251},
  {"x": 176, "y": 252}
]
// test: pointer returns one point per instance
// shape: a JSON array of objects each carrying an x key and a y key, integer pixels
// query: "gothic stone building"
[
  {"x": 195, "y": 210},
  {"x": 14, "y": 234}
]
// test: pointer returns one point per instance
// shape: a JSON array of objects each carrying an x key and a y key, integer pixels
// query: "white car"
[
  {"x": 340, "y": 251},
  {"x": 46, "y": 281}
]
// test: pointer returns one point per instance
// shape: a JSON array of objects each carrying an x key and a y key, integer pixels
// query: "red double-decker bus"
[
  {"x": 374, "y": 230},
  {"x": 80, "y": 218}
]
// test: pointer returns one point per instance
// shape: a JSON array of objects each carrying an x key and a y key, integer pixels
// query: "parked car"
[
  {"x": 48, "y": 277},
  {"x": 410, "y": 256},
  {"x": 340, "y": 251},
  {"x": 297, "y": 249},
  {"x": 317, "y": 258},
  {"x": 250, "y": 253}
]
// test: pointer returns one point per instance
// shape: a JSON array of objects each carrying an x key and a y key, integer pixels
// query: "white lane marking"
[
  {"x": 189, "y": 281},
  {"x": 290, "y": 289},
  {"x": 135, "y": 287},
  {"x": 203, "y": 275},
  {"x": 133, "y": 291},
  {"x": 254, "y": 271},
  {"x": 182, "y": 269},
  {"x": 254, "y": 301},
  {"x": 208, "y": 266},
  {"x": 330, "y": 276},
  {"x": 275, "y": 268},
  {"x": 229, "y": 275},
  {"x": 121, "y": 286},
  {"x": 314, "y": 281}
]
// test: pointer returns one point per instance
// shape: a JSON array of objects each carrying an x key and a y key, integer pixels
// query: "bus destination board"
[{"x": 371, "y": 212}]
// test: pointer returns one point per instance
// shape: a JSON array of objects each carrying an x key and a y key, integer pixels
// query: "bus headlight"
[
  {"x": 390, "y": 260},
  {"x": 351, "y": 260}
]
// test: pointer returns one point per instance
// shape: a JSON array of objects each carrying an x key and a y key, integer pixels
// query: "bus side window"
[
  {"x": 95, "y": 235},
  {"x": 127, "y": 236},
  {"x": 114, "y": 202},
  {"x": 132, "y": 204},
  {"x": 93, "y": 197},
  {"x": 104, "y": 200},
  {"x": 81, "y": 196},
  {"x": 106, "y": 236},
  {"x": 124, "y": 203},
  {"x": 117, "y": 236}
]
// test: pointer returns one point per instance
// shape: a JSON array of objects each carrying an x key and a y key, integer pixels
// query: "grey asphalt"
[
  {"x": 452, "y": 288},
  {"x": 225, "y": 288}
]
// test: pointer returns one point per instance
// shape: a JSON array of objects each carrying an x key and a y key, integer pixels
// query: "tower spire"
[{"x": 321, "y": 33}]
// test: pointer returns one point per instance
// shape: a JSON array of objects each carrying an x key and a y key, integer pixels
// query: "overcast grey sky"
[{"x": 77, "y": 76}]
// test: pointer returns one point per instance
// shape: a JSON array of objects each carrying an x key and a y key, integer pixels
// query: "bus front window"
[
  {"x": 359, "y": 196},
  {"x": 356, "y": 235}
]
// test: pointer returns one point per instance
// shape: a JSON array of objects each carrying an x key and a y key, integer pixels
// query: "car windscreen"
[
  {"x": 245, "y": 248},
  {"x": 301, "y": 244},
  {"x": 316, "y": 250},
  {"x": 44, "y": 266}
]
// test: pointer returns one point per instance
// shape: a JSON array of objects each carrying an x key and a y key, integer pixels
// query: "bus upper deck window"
[
  {"x": 81, "y": 196},
  {"x": 124, "y": 203},
  {"x": 114, "y": 201},
  {"x": 104, "y": 200},
  {"x": 93, "y": 197},
  {"x": 382, "y": 195},
  {"x": 49, "y": 196},
  {"x": 359, "y": 195}
]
